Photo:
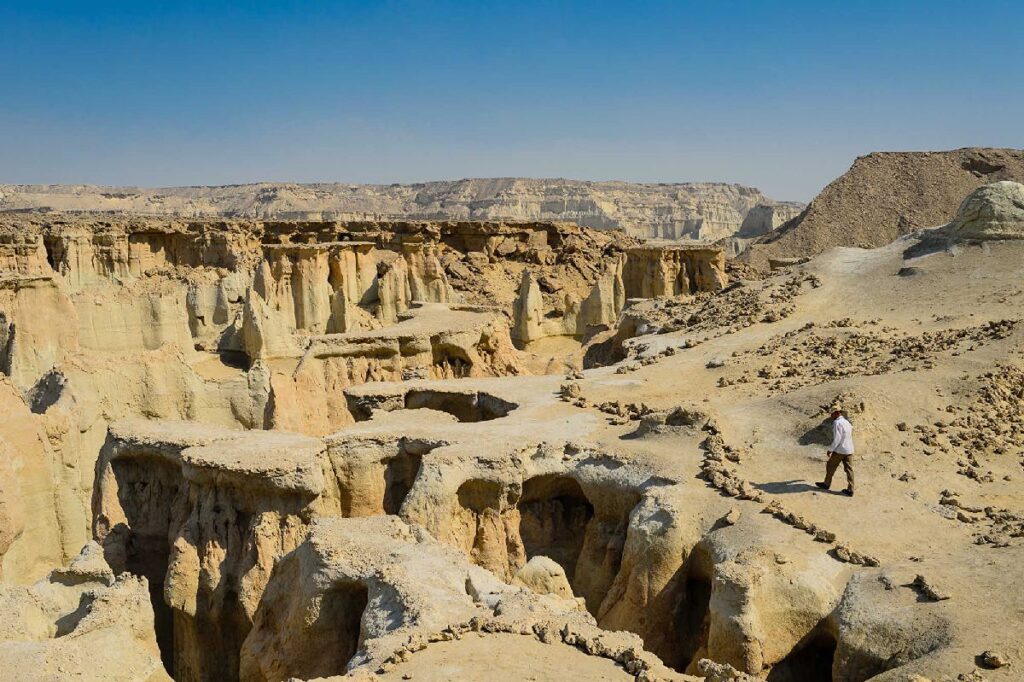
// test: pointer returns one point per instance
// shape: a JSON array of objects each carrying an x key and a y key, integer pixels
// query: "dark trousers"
[{"x": 833, "y": 463}]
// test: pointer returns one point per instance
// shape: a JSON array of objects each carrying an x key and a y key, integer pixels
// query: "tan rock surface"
[
  {"x": 433, "y": 503},
  {"x": 79, "y": 623}
]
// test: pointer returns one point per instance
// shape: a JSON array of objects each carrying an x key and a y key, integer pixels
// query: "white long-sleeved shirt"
[{"x": 842, "y": 436}]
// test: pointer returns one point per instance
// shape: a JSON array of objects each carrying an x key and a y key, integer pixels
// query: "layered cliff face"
[
  {"x": 764, "y": 218},
  {"x": 885, "y": 195},
  {"x": 706, "y": 211},
  {"x": 257, "y": 325},
  {"x": 203, "y": 514},
  {"x": 652, "y": 271}
]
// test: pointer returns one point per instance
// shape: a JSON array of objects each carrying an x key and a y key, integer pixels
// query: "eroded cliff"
[{"x": 698, "y": 210}]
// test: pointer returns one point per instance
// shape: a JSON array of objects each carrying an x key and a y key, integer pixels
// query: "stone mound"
[
  {"x": 993, "y": 211},
  {"x": 885, "y": 195}
]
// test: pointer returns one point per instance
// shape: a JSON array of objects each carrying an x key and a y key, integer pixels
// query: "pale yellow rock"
[
  {"x": 993, "y": 211},
  {"x": 544, "y": 576}
]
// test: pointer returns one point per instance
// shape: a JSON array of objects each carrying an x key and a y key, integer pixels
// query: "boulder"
[
  {"x": 994, "y": 211},
  {"x": 544, "y": 576}
]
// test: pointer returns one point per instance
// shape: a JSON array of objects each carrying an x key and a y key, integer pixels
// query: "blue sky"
[{"x": 780, "y": 95}]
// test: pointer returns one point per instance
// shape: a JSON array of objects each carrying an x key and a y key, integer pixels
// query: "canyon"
[{"x": 257, "y": 440}]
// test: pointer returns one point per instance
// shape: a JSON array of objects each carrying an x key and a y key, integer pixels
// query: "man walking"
[{"x": 840, "y": 452}]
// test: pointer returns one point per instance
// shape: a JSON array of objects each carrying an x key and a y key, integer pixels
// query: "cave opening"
[
  {"x": 400, "y": 473},
  {"x": 334, "y": 637},
  {"x": 809, "y": 661},
  {"x": 479, "y": 495},
  {"x": 341, "y": 612},
  {"x": 481, "y": 503},
  {"x": 554, "y": 514},
  {"x": 466, "y": 407}
]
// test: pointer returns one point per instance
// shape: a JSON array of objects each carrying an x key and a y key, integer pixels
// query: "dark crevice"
[
  {"x": 52, "y": 247},
  {"x": 7, "y": 334},
  {"x": 400, "y": 473},
  {"x": 466, "y": 407},
  {"x": 687, "y": 636},
  {"x": 554, "y": 514},
  {"x": 146, "y": 491},
  {"x": 809, "y": 661}
]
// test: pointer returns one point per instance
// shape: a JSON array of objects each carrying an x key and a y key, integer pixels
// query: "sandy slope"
[{"x": 898, "y": 521}]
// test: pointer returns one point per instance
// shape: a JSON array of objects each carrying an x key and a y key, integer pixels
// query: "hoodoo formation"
[{"x": 267, "y": 448}]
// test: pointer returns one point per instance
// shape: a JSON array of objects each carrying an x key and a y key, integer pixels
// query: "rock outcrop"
[
  {"x": 885, "y": 195},
  {"x": 993, "y": 211},
  {"x": 80, "y": 623},
  {"x": 706, "y": 211},
  {"x": 652, "y": 271},
  {"x": 243, "y": 324},
  {"x": 765, "y": 218}
]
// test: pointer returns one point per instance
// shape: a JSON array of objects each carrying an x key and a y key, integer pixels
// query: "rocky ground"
[
  {"x": 885, "y": 195},
  {"x": 380, "y": 487}
]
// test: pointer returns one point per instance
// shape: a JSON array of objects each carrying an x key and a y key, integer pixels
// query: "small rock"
[
  {"x": 973, "y": 676},
  {"x": 822, "y": 535},
  {"x": 929, "y": 590},
  {"x": 732, "y": 517},
  {"x": 994, "y": 659}
]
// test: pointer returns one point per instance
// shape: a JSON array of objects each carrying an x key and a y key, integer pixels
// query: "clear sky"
[{"x": 780, "y": 95}]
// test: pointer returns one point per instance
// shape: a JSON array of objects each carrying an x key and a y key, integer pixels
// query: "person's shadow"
[
  {"x": 793, "y": 486},
  {"x": 786, "y": 487}
]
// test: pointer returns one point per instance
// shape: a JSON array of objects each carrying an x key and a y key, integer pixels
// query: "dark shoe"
[
  {"x": 848, "y": 492},
  {"x": 822, "y": 485}
]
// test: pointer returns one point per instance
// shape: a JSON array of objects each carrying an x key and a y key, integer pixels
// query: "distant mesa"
[{"x": 706, "y": 211}]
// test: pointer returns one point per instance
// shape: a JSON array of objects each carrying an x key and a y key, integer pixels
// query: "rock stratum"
[
  {"x": 268, "y": 450},
  {"x": 885, "y": 195},
  {"x": 701, "y": 210}
]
